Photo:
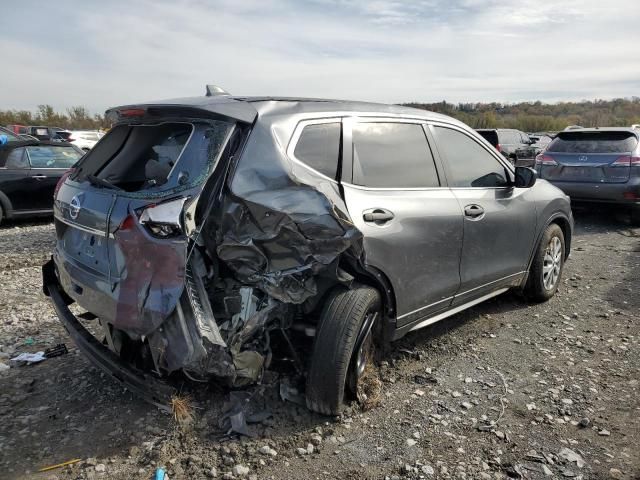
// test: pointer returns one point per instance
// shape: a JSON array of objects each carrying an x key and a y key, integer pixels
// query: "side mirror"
[{"x": 525, "y": 177}]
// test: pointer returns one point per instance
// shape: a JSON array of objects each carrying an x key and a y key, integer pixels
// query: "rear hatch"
[
  {"x": 588, "y": 157},
  {"x": 118, "y": 217}
]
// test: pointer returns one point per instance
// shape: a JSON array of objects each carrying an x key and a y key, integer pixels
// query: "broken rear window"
[{"x": 158, "y": 157}]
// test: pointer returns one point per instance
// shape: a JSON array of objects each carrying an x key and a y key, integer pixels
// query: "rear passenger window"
[
  {"x": 470, "y": 165},
  {"x": 319, "y": 148},
  {"x": 392, "y": 155}
]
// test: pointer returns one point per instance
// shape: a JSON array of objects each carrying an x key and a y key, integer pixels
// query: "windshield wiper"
[{"x": 101, "y": 182}]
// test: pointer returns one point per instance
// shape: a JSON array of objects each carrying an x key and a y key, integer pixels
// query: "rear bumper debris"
[{"x": 145, "y": 386}]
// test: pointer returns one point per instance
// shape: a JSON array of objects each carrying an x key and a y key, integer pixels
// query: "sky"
[{"x": 102, "y": 54}]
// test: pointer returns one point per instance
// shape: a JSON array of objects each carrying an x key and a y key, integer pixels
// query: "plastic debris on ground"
[
  {"x": 29, "y": 358},
  {"x": 160, "y": 474},
  {"x": 239, "y": 413},
  {"x": 59, "y": 349},
  {"x": 289, "y": 393}
]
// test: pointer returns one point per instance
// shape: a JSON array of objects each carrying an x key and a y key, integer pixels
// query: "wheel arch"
[
  {"x": 565, "y": 226},
  {"x": 376, "y": 278},
  {"x": 560, "y": 219},
  {"x": 5, "y": 203}
]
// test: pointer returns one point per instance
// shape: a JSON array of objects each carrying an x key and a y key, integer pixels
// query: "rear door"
[
  {"x": 412, "y": 223},
  {"x": 499, "y": 220},
  {"x": 589, "y": 157}
]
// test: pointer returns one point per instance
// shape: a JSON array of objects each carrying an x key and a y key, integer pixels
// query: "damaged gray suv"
[{"x": 200, "y": 232}]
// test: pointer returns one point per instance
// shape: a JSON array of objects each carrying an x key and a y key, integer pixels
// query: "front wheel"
[
  {"x": 340, "y": 347},
  {"x": 548, "y": 262}
]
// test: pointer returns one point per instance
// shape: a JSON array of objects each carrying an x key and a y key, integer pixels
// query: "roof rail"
[{"x": 214, "y": 91}]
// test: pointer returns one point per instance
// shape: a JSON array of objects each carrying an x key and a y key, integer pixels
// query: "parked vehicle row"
[
  {"x": 518, "y": 147},
  {"x": 199, "y": 231},
  {"x": 83, "y": 139}
]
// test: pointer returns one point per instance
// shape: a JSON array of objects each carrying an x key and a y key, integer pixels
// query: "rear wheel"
[
  {"x": 548, "y": 262},
  {"x": 1, "y": 214},
  {"x": 342, "y": 347}
]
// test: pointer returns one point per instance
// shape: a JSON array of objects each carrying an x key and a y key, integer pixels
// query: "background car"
[
  {"x": 513, "y": 144},
  {"x": 526, "y": 155},
  {"x": 53, "y": 134},
  {"x": 18, "y": 129},
  {"x": 85, "y": 139},
  {"x": 29, "y": 172},
  {"x": 595, "y": 165},
  {"x": 8, "y": 136}
]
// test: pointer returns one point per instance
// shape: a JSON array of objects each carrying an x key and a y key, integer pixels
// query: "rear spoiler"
[{"x": 221, "y": 107}]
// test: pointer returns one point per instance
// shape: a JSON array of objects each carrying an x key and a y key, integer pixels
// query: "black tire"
[
  {"x": 541, "y": 287},
  {"x": 1, "y": 214},
  {"x": 340, "y": 322},
  {"x": 635, "y": 216}
]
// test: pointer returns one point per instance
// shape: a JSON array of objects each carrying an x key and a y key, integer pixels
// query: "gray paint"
[{"x": 281, "y": 227}]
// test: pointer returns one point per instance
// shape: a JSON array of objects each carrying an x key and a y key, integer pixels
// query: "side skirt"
[{"x": 441, "y": 316}]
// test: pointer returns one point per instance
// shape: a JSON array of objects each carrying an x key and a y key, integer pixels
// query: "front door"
[
  {"x": 412, "y": 224},
  {"x": 499, "y": 219}
]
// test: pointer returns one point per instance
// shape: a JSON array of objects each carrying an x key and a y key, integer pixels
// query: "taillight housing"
[
  {"x": 163, "y": 220},
  {"x": 626, "y": 161},
  {"x": 64, "y": 176},
  {"x": 542, "y": 159},
  {"x": 499, "y": 147}
]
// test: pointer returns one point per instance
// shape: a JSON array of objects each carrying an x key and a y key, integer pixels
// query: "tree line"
[
  {"x": 541, "y": 117},
  {"x": 75, "y": 118},
  {"x": 526, "y": 116}
]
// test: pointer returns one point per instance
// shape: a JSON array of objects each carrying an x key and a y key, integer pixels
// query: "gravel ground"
[{"x": 559, "y": 381}]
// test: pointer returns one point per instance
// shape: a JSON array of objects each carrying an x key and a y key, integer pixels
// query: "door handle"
[
  {"x": 377, "y": 215},
  {"x": 39, "y": 177},
  {"x": 473, "y": 211}
]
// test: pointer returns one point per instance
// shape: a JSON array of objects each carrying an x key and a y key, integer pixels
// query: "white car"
[{"x": 85, "y": 139}]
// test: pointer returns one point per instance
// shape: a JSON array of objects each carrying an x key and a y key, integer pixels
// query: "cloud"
[{"x": 384, "y": 50}]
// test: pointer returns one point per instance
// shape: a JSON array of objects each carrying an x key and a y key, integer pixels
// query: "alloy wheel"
[{"x": 552, "y": 263}]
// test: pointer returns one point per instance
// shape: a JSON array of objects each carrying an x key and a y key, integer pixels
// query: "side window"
[
  {"x": 392, "y": 155},
  {"x": 17, "y": 159},
  {"x": 319, "y": 147},
  {"x": 470, "y": 165}
]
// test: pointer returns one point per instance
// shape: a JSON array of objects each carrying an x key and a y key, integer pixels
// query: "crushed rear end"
[{"x": 188, "y": 236}]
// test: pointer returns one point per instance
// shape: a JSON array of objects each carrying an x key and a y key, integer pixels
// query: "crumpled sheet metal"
[
  {"x": 281, "y": 224},
  {"x": 152, "y": 281}
]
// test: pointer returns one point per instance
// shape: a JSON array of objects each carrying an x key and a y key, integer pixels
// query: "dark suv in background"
[
  {"x": 203, "y": 231},
  {"x": 595, "y": 165},
  {"x": 515, "y": 145}
]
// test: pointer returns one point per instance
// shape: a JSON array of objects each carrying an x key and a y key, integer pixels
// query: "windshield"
[
  {"x": 593, "y": 142},
  {"x": 49, "y": 156}
]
